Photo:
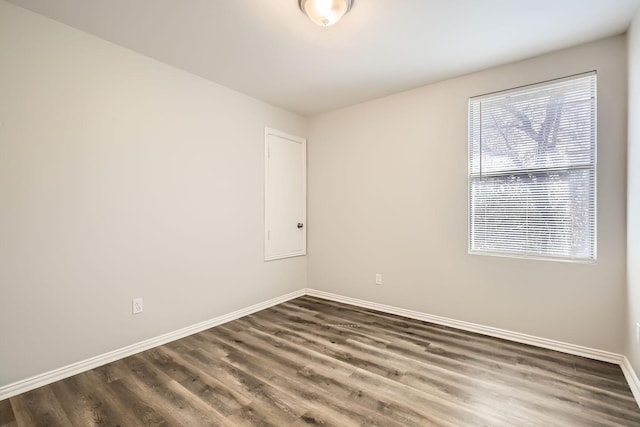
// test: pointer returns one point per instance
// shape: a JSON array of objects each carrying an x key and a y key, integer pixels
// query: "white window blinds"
[{"x": 532, "y": 170}]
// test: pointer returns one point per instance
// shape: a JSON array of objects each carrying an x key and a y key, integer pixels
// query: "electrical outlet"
[
  {"x": 378, "y": 279},
  {"x": 137, "y": 305}
]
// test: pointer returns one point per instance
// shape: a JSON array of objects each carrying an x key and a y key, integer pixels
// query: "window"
[{"x": 532, "y": 171}]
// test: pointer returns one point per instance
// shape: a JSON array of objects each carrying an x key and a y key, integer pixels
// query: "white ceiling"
[{"x": 269, "y": 50}]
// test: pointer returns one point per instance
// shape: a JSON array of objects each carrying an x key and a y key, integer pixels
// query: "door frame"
[{"x": 267, "y": 132}]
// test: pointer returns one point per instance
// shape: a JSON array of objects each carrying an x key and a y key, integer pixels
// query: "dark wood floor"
[{"x": 315, "y": 362}]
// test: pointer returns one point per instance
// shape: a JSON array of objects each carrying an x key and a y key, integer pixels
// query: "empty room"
[{"x": 456, "y": 243}]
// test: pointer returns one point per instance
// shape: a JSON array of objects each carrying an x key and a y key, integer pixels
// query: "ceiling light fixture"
[{"x": 325, "y": 12}]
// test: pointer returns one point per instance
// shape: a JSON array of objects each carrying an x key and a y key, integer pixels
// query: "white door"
[{"x": 285, "y": 195}]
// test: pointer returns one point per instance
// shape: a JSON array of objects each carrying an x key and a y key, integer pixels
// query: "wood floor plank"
[
  {"x": 330, "y": 342},
  {"x": 264, "y": 399},
  {"x": 25, "y": 416},
  {"x": 7, "y": 418},
  {"x": 144, "y": 410},
  {"x": 167, "y": 396},
  {"x": 39, "y": 407},
  {"x": 500, "y": 364},
  {"x": 299, "y": 352},
  {"x": 340, "y": 386},
  {"x": 310, "y": 361},
  {"x": 281, "y": 374},
  {"x": 86, "y": 404},
  {"x": 424, "y": 333},
  {"x": 197, "y": 381},
  {"x": 257, "y": 350},
  {"x": 459, "y": 385}
]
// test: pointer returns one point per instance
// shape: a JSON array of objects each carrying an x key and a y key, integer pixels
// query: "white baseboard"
[
  {"x": 43, "y": 379},
  {"x": 632, "y": 378},
  {"x": 576, "y": 350},
  {"x": 28, "y": 384}
]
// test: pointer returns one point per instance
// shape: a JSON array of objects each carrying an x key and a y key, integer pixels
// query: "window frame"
[{"x": 594, "y": 187}]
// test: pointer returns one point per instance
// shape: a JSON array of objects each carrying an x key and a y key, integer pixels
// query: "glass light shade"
[{"x": 325, "y": 12}]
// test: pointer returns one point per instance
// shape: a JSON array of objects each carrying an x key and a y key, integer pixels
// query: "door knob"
[{"x": 300, "y": 225}]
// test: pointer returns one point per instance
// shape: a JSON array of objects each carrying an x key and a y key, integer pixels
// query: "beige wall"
[
  {"x": 388, "y": 194},
  {"x": 122, "y": 177},
  {"x": 633, "y": 194}
]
